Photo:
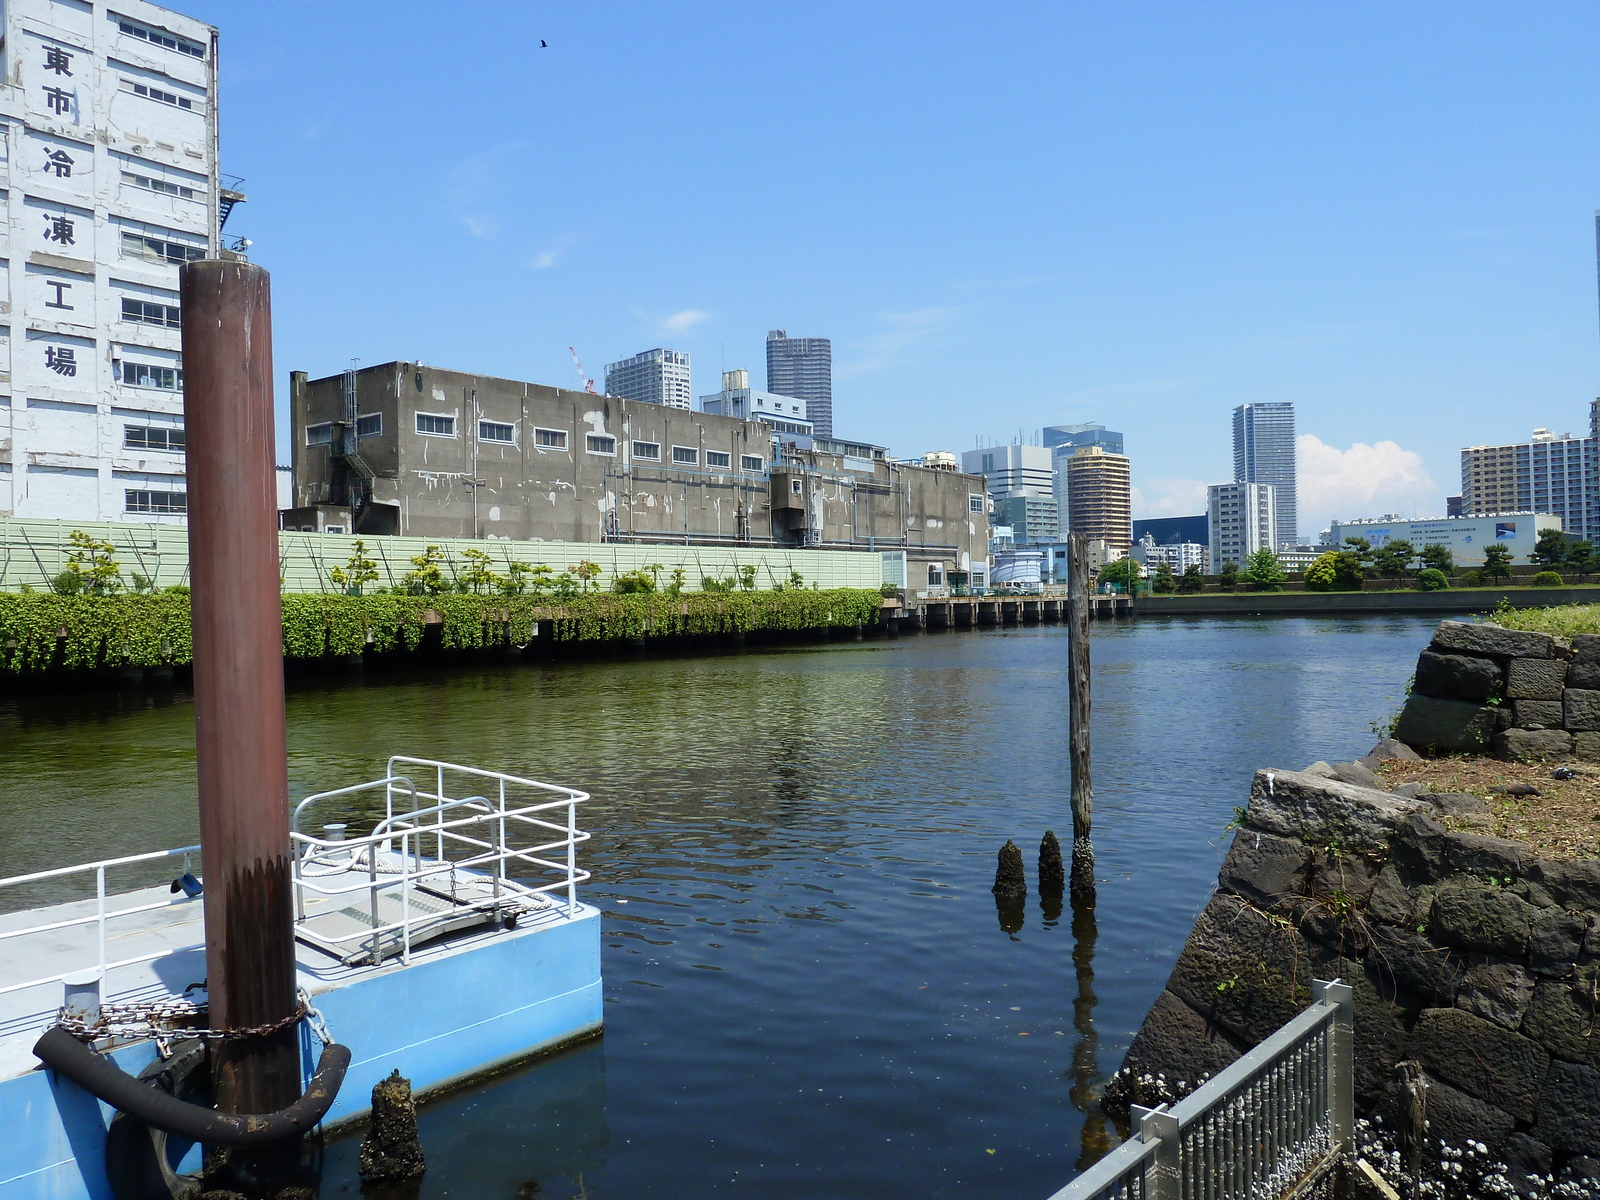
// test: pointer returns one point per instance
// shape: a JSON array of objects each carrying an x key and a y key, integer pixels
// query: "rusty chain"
[{"x": 182, "y": 1018}]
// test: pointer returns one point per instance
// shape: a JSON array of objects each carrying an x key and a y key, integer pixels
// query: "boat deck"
[{"x": 169, "y": 942}]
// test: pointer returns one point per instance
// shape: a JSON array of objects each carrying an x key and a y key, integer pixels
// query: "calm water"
[{"x": 808, "y": 992}]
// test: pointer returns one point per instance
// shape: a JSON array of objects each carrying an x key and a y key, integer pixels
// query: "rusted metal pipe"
[{"x": 238, "y": 681}]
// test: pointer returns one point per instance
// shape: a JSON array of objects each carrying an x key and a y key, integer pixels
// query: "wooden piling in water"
[
  {"x": 240, "y": 740},
  {"x": 1083, "y": 889}
]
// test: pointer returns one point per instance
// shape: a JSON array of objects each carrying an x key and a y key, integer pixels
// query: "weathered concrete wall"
[
  {"x": 1476, "y": 969},
  {"x": 586, "y": 468},
  {"x": 1481, "y": 688}
]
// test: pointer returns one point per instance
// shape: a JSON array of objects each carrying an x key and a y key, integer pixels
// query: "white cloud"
[
  {"x": 553, "y": 253},
  {"x": 901, "y": 331},
  {"x": 1360, "y": 482},
  {"x": 680, "y": 322},
  {"x": 477, "y": 186},
  {"x": 1169, "y": 498}
]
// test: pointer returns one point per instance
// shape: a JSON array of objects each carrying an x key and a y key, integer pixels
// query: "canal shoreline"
[{"x": 1336, "y": 604}]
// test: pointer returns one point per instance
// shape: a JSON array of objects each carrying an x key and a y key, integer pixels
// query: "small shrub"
[
  {"x": 1547, "y": 579},
  {"x": 1471, "y": 577},
  {"x": 1431, "y": 579},
  {"x": 634, "y": 583}
]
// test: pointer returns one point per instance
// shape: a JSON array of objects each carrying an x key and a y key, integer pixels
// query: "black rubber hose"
[{"x": 101, "y": 1077}]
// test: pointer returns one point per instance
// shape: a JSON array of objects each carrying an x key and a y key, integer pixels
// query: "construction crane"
[{"x": 588, "y": 384}]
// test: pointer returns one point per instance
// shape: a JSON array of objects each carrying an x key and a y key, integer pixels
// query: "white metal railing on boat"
[
  {"x": 1266, "y": 1125},
  {"x": 480, "y": 845},
  {"x": 454, "y": 843},
  {"x": 102, "y": 914}
]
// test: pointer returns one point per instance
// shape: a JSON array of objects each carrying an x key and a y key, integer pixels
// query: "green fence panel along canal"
[{"x": 809, "y": 991}]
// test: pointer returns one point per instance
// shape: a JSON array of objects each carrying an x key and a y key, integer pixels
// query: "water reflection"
[
  {"x": 793, "y": 850},
  {"x": 530, "y": 1134},
  {"x": 1094, "y": 1137}
]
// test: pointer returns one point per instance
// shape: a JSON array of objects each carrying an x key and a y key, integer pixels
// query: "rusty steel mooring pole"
[{"x": 238, "y": 683}]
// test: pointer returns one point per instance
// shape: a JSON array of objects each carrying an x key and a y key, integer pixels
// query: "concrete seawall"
[{"x": 1303, "y": 604}]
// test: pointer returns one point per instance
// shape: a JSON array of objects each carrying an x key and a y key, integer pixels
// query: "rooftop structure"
[
  {"x": 1010, "y": 468},
  {"x": 110, "y": 117},
  {"x": 1167, "y": 530}
]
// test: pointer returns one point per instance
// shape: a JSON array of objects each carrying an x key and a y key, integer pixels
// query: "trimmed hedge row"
[{"x": 43, "y": 630}]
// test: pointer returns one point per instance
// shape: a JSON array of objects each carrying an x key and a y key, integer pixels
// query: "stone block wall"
[
  {"x": 1480, "y": 688},
  {"x": 1476, "y": 969}
]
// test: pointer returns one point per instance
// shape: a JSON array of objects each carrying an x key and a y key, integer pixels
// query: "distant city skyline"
[{"x": 1403, "y": 327}]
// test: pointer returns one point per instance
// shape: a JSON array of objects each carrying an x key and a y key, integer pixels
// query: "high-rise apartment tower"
[
  {"x": 1100, "y": 497},
  {"x": 108, "y": 134},
  {"x": 1550, "y": 473},
  {"x": 656, "y": 377},
  {"x": 803, "y": 368},
  {"x": 1263, "y": 452}
]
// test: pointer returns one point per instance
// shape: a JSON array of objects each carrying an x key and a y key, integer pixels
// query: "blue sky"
[{"x": 1005, "y": 216}]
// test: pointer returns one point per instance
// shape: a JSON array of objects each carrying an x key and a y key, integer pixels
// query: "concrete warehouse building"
[
  {"x": 404, "y": 448},
  {"x": 108, "y": 145}
]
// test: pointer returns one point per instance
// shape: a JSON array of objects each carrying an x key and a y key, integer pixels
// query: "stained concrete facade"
[
  {"x": 419, "y": 451},
  {"x": 108, "y": 146}
]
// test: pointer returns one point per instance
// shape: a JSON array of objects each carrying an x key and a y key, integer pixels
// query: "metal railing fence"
[
  {"x": 461, "y": 845},
  {"x": 99, "y": 958},
  {"x": 1279, "y": 1116}
]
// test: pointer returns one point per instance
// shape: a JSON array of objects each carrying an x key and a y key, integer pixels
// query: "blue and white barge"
[{"x": 446, "y": 941}]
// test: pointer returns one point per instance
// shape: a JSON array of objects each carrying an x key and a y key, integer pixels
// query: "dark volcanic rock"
[
  {"x": 1473, "y": 916},
  {"x": 1573, "y": 884},
  {"x": 1454, "y": 1117},
  {"x": 1584, "y": 675},
  {"x": 1389, "y": 749},
  {"x": 1555, "y": 937},
  {"x": 1393, "y": 903},
  {"x": 1537, "y": 714},
  {"x": 1582, "y": 710},
  {"x": 1498, "y": 858},
  {"x": 1569, "y": 1113},
  {"x": 1528, "y": 1164},
  {"x": 1176, "y": 1043},
  {"x": 1264, "y": 867},
  {"x": 1481, "y": 1059},
  {"x": 1244, "y": 972},
  {"x": 1452, "y": 726},
  {"x": 1496, "y": 990},
  {"x": 1532, "y": 745},
  {"x": 1414, "y": 963},
  {"x": 1457, "y": 676},
  {"x": 1535, "y": 678},
  {"x": 1483, "y": 637},
  {"x": 1561, "y": 1022},
  {"x": 1456, "y": 804}
]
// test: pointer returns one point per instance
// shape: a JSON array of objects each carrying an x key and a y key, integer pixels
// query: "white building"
[
  {"x": 1180, "y": 556},
  {"x": 785, "y": 415},
  {"x": 654, "y": 377},
  {"x": 1464, "y": 537},
  {"x": 108, "y": 136},
  {"x": 1243, "y": 520},
  {"x": 1012, "y": 468}
]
